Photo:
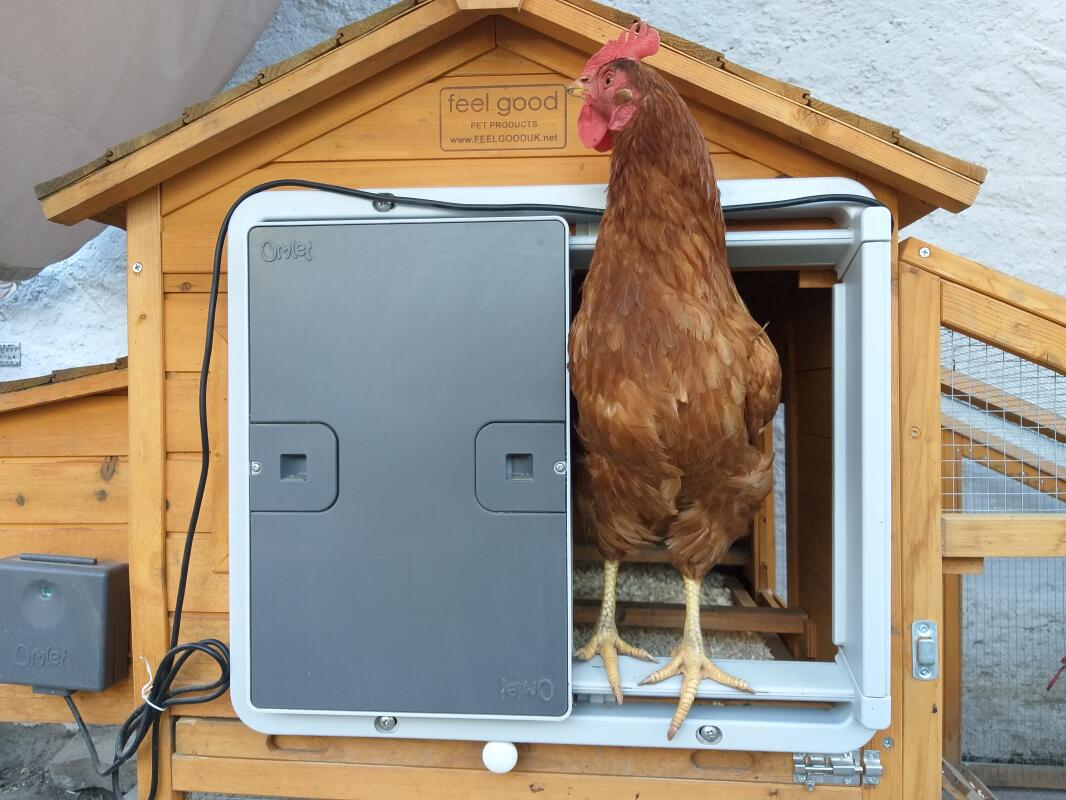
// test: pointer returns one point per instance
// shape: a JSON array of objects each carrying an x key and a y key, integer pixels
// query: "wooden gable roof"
[
  {"x": 569, "y": 31},
  {"x": 63, "y": 384}
]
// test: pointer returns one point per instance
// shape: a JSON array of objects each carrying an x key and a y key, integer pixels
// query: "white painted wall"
[{"x": 973, "y": 79}]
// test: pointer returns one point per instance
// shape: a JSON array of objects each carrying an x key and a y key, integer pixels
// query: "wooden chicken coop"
[{"x": 414, "y": 97}]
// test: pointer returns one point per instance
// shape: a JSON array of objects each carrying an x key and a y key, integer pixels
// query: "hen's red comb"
[{"x": 638, "y": 42}]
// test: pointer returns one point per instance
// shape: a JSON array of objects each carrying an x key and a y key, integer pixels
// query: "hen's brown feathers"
[{"x": 673, "y": 378}]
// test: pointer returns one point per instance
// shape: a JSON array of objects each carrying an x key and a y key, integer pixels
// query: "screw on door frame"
[
  {"x": 256, "y": 467},
  {"x": 923, "y": 252},
  {"x": 709, "y": 734},
  {"x": 559, "y": 467},
  {"x": 137, "y": 266},
  {"x": 385, "y": 724}
]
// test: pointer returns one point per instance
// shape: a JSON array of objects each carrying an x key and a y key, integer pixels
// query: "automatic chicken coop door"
[{"x": 399, "y": 465}]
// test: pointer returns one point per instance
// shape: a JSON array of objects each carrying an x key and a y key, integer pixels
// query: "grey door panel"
[{"x": 400, "y": 578}]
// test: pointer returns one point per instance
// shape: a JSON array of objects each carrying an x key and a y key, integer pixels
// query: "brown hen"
[{"x": 673, "y": 378}]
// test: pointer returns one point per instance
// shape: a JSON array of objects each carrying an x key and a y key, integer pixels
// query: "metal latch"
[
  {"x": 925, "y": 660},
  {"x": 837, "y": 769}
]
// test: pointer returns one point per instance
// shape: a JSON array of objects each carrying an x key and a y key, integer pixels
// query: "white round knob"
[{"x": 499, "y": 757}]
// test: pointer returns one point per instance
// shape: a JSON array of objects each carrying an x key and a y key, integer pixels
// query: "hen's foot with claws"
[
  {"x": 607, "y": 642},
  {"x": 605, "y": 639},
  {"x": 690, "y": 661}
]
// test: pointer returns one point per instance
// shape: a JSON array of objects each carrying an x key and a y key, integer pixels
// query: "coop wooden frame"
[{"x": 109, "y": 471}]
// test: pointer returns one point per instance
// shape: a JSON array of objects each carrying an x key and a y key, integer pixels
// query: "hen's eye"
[{"x": 607, "y": 80}]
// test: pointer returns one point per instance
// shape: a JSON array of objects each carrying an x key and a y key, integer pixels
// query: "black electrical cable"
[{"x": 147, "y": 716}]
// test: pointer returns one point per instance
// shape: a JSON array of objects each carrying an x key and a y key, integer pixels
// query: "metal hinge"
[{"x": 837, "y": 769}]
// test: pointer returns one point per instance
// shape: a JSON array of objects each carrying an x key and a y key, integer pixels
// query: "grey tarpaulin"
[{"x": 77, "y": 77}]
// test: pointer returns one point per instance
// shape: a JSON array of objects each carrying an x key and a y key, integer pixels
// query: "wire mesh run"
[
  {"x": 1013, "y": 694},
  {"x": 1004, "y": 430}
]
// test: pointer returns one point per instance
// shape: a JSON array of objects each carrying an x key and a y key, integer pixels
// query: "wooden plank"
[
  {"x": 964, "y": 566},
  {"x": 87, "y": 426},
  {"x": 918, "y": 333},
  {"x": 813, "y": 323},
  {"x": 218, "y": 431},
  {"x": 951, "y": 642},
  {"x": 961, "y": 784},
  {"x": 182, "y": 421},
  {"x": 183, "y": 416},
  {"x": 741, "y": 596},
  {"x": 1004, "y": 535},
  {"x": 387, "y": 132},
  {"x": 185, "y": 323},
  {"x": 817, "y": 278},
  {"x": 736, "y": 557},
  {"x": 716, "y": 618},
  {"x": 228, "y": 739},
  {"x": 474, "y": 5},
  {"x": 1024, "y": 776},
  {"x": 985, "y": 280},
  {"x": 20, "y": 704},
  {"x": 424, "y": 25},
  {"x": 184, "y": 282},
  {"x": 814, "y": 490},
  {"x": 814, "y": 393},
  {"x": 820, "y": 132},
  {"x": 300, "y": 778},
  {"x": 761, "y": 570},
  {"x": 64, "y": 390},
  {"x": 1009, "y": 328},
  {"x": 996, "y": 401},
  {"x": 208, "y": 590},
  {"x": 500, "y": 61},
  {"x": 147, "y": 533},
  {"x": 84, "y": 426},
  {"x": 182, "y": 473},
  {"x": 354, "y": 101},
  {"x": 21, "y": 384},
  {"x": 106, "y": 542},
  {"x": 64, "y": 490}
]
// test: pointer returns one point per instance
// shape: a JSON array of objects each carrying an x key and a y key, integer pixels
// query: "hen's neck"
[{"x": 662, "y": 187}]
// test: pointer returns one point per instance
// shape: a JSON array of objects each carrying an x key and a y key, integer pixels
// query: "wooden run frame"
[{"x": 1030, "y": 323}]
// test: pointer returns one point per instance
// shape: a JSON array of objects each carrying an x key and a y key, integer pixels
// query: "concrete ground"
[{"x": 25, "y": 752}]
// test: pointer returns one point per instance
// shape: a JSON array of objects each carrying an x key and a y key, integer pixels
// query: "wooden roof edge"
[
  {"x": 63, "y": 384},
  {"x": 985, "y": 280},
  {"x": 48, "y": 191}
]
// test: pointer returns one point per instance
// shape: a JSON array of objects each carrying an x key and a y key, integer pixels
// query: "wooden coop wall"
[
  {"x": 384, "y": 132},
  {"x": 64, "y": 486}
]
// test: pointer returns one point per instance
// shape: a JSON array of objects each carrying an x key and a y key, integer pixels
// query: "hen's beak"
[{"x": 576, "y": 89}]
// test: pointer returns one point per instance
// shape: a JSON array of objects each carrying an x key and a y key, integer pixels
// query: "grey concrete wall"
[{"x": 980, "y": 79}]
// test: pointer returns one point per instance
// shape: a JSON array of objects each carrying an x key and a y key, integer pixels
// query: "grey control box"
[
  {"x": 402, "y": 546},
  {"x": 64, "y": 622}
]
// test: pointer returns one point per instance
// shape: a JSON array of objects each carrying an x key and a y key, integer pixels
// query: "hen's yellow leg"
[
  {"x": 690, "y": 660},
  {"x": 605, "y": 639}
]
